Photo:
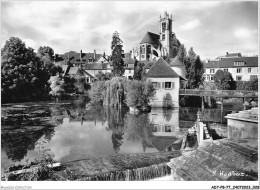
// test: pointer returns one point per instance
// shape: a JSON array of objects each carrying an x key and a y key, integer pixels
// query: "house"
[
  {"x": 153, "y": 46},
  {"x": 73, "y": 71},
  {"x": 77, "y": 59},
  {"x": 242, "y": 68},
  {"x": 166, "y": 82}
]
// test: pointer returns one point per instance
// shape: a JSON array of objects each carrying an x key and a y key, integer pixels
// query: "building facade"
[
  {"x": 166, "y": 82},
  {"x": 241, "y": 68},
  {"x": 153, "y": 46}
]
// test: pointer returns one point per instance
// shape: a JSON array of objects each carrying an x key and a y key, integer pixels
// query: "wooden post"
[
  {"x": 202, "y": 102},
  {"x": 221, "y": 103}
]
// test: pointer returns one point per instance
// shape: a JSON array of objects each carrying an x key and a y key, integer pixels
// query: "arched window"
[
  {"x": 90, "y": 60},
  {"x": 155, "y": 53},
  {"x": 148, "y": 49},
  {"x": 163, "y": 27},
  {"x": 143, "y": 49}
]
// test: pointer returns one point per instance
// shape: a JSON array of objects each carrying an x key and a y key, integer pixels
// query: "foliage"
[
  {"x": 138, "y": 70},
  {"x": 194, "y": 69},
  {"x": 114, "y": 92},
  {"x": 40, "y": 168},
  {"x": 96, "y": 92},
  {"x": 69, "y": 84},
  {"x": 182, "y": 53},
  {"x": 224, "y": 80},
  {"x": 167, "y": 101},
  {"x": 117, "y": 51},
  {"x": 56, "y": 85},
  {"x": 247, "y": 85},
  {"x": 24, "y": 75},
  {"x": 100, "y": 76},
  {"x": 139, "y": 93},
  {"x": 80, "y": 83}
]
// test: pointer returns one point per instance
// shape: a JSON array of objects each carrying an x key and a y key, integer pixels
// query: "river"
[{"x": 72, "y": 130}]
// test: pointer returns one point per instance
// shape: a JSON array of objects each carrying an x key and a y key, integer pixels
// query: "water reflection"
[{"x": 84, "y": 132}]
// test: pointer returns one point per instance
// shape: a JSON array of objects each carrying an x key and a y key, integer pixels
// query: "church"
[{"x": 153, "y": 46}]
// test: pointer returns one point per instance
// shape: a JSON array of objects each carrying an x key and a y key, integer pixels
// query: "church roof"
[
  {"x": 151, "y": 38},
  {"x": 176, "y": 62},
  {"x": 161, "y": 69}
]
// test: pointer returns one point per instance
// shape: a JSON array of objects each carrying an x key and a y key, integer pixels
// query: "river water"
[{"x": 73, "y": 130}]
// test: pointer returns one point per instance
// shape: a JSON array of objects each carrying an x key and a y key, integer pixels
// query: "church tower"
[{"x": 167, "y": 37}]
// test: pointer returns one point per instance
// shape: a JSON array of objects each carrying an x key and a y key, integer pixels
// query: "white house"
[
  {"x": 166, "y": 82},
  {"x": 241, "y": 68}
]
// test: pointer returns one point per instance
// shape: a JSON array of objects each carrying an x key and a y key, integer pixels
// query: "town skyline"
[{"x": 211, "y": 28}]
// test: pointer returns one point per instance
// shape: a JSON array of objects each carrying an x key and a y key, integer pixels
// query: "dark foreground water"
[{"x": 73, "y": 130}]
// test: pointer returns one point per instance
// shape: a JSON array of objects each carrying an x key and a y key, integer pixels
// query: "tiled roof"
[
  {"x": 161, "y": 69},
  {"x": 229, "y": 62},
  {"x": 176, "y": 62},
  {"x": 74, "y": 57},
  {"x": 151, "y": 38},
  {"x": 127, "y": 55},
  {"x": 148, "y": 64},
  {"x": 96, "y": 66}
]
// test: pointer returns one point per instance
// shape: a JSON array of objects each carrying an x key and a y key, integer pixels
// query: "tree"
[
  {"x": 224, "y": 80},
  {"x": 56, "y": 85},
  {"x": 117, "y": 51},
  {"x": 103, "y": 76},
  {"x": 138, "y": 70},
  {"x": 194, "y": 69},
  {"x": 139, "y": 93},
  {"x": 46, "y": 55},
  {"x": 80, "y": 84},
  {"x": 23, "y": 77},
  {"x": 182, "y": 53}
]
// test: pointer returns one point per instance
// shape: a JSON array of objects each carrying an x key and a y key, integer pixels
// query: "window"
[
  {"x": 163, "y": 37},
  {"x": 90, "y": 59},
  {"x": 163, "y": 27},
  {"x": 168, "y": 85},
  {"x": 208, "y": 77},
  {"x": 225, "y": 69},
  {"x": 155, "y": 127},
  {"x": 156, "y": 85},
  {"x": 168, "y": 128},
  {"x": 129, "y": 70},
  {"x": 211, "y": 77},
  {"x": 143, "y": 49},
  {"x": 253, "y": 77},
  {"x": 239, "y": 78},
  {"x": 249, "y": 70},
  {"x": 212, "y": 70},
  {"x": 239, "y": 63},
  {"x": 87, "y": 80},
  {"x": 148, "y": 49},
  {"x": 142, "y": 56},
  {"x": 239, "y": 70}
]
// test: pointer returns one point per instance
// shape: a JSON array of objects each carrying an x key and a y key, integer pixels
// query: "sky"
[{"x": 212, "y": 28}]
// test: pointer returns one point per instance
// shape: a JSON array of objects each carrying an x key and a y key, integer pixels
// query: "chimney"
[
  {"x": 94, "y": 55},
  {"x": 227, "y": 53}
]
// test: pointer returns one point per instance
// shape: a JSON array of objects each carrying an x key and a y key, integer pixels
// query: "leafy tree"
[
  {"x": 194, "y": 69},
  {"x": 80, "y": 84},
  {"x": 224, "y": 80},
  {"x": 56, "y": 85},
  {"x": 46, "y": 55},
  {"x": 139, "y": 93},
  {"x": 103, "y": 76},
  {"x": 23, "y": 77},
  {"x": 182, "y": 53},
  {"x": 96, "y": 92},
  {"x": 117, "y": 51},
  {"x": 138, "y": 70}
]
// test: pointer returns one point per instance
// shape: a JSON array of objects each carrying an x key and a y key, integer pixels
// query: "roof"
[
  {"x": 148, "y": 64},
  {"x": 127, "y": 55},
  {"x": 96, "y": 66},
  {"x": 75, "y": 57},
  {"x": 151, "y": 38},
  {"x": 229, "y": 62},
  {"x": 161, "y": 69},
  {"x": 176, "y": 62},
  {"x": 233, "y": 55}
]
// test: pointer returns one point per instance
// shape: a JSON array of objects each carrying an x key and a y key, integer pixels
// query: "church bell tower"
[{"x": 166, "y": 35}]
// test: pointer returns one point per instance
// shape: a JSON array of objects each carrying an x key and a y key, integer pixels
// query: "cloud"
[
  {"x": 190, "y": 25},
  {"x": 244, "y": 33}
]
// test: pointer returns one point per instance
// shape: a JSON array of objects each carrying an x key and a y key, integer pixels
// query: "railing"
[{"x": 219, "y": 93}]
